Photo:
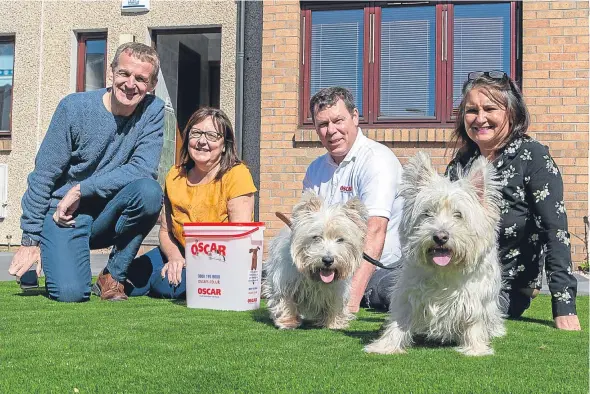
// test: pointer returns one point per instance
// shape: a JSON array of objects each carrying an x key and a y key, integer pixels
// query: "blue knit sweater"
[{"x": 87, "y": 144}]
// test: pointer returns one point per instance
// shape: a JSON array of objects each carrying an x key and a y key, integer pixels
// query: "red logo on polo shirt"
[{"x": 346, "y": 189}]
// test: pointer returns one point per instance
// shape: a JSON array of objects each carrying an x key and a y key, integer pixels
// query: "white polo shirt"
[{"x": 371, "y": 172}]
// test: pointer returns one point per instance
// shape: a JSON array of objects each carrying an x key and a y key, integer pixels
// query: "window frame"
[
  {"x": 305, "y": 54},
  {"x": 438, "y": 76},
  {"x": 8, "y": 133},
  {"x": 515, "y": 55},
  {"x": 82, "y": 38},
  {"x": 443, "y": 96}
]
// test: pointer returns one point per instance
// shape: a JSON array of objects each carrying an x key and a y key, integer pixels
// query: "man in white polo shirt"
[{"x": 356, "y": 166}]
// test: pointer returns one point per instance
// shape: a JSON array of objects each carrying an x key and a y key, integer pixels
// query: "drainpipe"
[{"x": 241, "y": 17}]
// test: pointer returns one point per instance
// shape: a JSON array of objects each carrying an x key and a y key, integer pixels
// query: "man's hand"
[
  {"x": 359, "y": 284},
  {"x": 23, "y": 259},
  {"x": 569, "y": 323},
  {"x": 67, "y": 206},
  {"x": 174, "y": 269},
  {"x": 376, "y": 230}
]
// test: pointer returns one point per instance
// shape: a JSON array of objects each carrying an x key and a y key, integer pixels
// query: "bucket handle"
[{"x": 222, "y": 235}]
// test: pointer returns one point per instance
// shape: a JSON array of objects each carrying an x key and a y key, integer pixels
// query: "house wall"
[
  {"x": 45, "y": 65},
  {"x": 555, "y": 86}
]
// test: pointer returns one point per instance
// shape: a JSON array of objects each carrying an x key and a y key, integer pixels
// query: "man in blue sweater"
[{"x": 94, "y": 185}]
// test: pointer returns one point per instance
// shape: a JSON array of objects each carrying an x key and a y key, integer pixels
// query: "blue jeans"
[
  {"x": 123, "y": 222},
  {"x": 378, "y": 289},
  {"x": 144, "y": 277}
]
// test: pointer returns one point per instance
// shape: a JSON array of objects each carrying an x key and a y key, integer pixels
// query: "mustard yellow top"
[{"x": 204, "y": 203}]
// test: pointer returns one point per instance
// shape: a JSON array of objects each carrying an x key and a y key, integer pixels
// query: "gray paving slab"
[{"x": 99, "y": 261}]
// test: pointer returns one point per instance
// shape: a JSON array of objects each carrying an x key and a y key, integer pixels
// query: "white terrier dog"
[
  {"x": 450, "y": 276},
  {"x": 310, "y": 266}
]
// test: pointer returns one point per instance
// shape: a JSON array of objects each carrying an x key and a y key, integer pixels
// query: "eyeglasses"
[
  {"x": 212, "y": 136},
  {"x": 494, "y": 74}
]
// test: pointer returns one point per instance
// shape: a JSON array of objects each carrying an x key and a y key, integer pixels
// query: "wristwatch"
[{"x": 26, "y": 240}]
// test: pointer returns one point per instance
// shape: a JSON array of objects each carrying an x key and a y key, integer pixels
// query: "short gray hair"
[
  {"x": 140, "y": 51},
  {"x": 328, "y": 97}
]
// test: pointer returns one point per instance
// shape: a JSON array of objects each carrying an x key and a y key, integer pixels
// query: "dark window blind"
[
  {"x": 407, "y": 82},
  {"x": 481, "y": 41},
  {"x": 337, "y": 51}
]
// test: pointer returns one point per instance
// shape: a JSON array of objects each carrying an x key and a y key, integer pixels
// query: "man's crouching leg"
[
  {"x": 124, "y": 223},
  {"x": 66, "y": 258}
]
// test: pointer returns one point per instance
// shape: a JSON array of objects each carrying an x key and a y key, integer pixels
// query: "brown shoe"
[{"x": 108, "y": 288}]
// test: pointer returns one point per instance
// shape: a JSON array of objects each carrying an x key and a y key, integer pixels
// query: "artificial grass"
[{"x": 159, "y": 346}]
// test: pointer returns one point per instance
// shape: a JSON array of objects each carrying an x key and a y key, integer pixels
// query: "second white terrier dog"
[
  {"x": 310, "y": 266},
  {"x": 450, "y": 278}
]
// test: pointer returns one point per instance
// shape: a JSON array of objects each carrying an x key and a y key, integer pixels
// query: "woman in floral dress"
[{"x": 492, "y": 120}]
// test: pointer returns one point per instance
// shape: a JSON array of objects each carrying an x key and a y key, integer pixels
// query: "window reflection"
[
  {"x": 6, "y": 75},
  {"x": 94, "y": 64}
]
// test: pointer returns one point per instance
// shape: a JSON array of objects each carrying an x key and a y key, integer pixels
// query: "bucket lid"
[{"x": 232, "y": 224}]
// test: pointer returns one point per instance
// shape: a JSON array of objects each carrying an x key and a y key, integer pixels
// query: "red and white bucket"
[{"x": 223, "y": 265}]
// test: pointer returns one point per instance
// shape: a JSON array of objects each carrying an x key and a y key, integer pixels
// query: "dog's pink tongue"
[
  {"x": 441, "y": 257},
  {"x": 327, "y": 276}
]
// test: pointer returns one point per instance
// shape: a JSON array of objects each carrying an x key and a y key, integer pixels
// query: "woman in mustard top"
[{"x": 211, "y": 185}]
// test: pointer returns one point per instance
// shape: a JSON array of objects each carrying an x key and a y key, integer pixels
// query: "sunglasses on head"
[{"x": 494, "y": 74}]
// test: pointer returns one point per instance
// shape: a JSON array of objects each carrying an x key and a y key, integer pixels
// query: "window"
[
  {"x": 337, "y": 51},
  {"x": 404, "y": 63},
  {"x": 6, "y": 79},
  {"x": 92, "y": 54},
  {"x": 407, "y": 63},
  {"x": 479, "y": 26}
]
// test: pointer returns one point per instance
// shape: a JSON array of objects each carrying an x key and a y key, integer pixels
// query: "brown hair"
[
  {"x": 327, "y": 97},
  {"x": 502, "y": 91},
  {"x": 229, "y": 157},
  {"x": 142, "y": 52}
]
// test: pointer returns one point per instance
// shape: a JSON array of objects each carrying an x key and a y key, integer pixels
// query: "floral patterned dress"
[{"x": 534, "y": 221}]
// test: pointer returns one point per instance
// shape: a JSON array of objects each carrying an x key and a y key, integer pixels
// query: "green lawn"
[{"x": 157, "y": 346}]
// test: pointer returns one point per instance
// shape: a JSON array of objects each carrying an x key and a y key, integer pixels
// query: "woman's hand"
[
  {"x": 569, "y": 323},
  {"x": 174, "y": 270}
]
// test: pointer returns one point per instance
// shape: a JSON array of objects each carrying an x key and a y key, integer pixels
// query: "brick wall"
[{"x": 555, "y": 85}]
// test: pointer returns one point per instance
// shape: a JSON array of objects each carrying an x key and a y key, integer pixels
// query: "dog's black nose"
[
  {"x": 328, "y": 260},
  {"x": 441, "y": 237}
]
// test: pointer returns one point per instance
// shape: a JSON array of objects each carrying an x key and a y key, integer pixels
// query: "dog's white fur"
[
  {"x": 457, "y": 303},
  {"x": 293, "y": 285}
]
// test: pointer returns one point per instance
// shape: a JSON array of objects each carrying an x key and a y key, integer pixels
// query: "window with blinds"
[
  {"x": 481, "y": 41},
  {"x": 405, "y": 62},
  {"x": 408, "y": 39},
  {"x": 337, "y": 45}
]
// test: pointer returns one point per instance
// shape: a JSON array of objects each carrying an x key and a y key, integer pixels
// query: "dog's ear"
[
  {"x": 355, "y": 204},
  {"x": 357, "y": 212},
  {"x": 483, "y": 178},
  {"x": 418, "y": 172},
  {"x": 310, "y": 202}
]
